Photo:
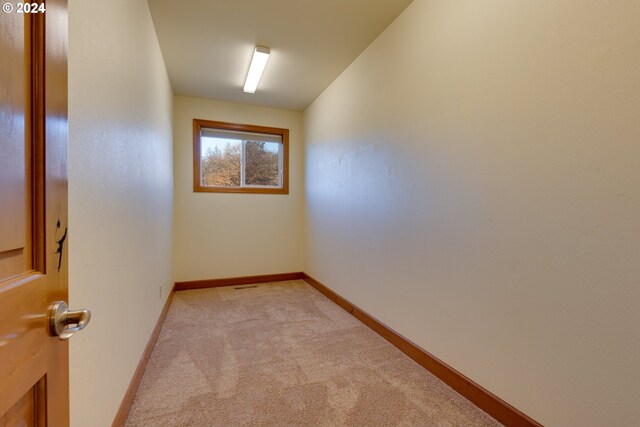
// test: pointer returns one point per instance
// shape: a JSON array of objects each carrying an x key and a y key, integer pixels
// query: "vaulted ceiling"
[{"x": 207, "y": 44}]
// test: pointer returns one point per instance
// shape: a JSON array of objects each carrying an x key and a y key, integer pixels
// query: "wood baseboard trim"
[
  {"x": 127, "y": 400},
  {"x": 235, "y": 281},
  {"x": 479, "y": 396}
]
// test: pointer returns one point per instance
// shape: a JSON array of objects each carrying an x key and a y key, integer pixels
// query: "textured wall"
[
  {"x": 120, "y": 197},
  {"x": 226, "y": 235},
  {"x": 472, "y": 181}
]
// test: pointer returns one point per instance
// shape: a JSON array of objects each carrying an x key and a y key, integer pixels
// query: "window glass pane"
[
  {"x": 261, "y": 163},
  {"x": 220, "y": 162}
]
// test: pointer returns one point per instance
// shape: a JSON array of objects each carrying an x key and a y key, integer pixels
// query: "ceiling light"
[{"x": 258, "y": 62}]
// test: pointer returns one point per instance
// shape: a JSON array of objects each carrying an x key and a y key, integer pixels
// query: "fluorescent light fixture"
[{"x": 258, "y": 62}]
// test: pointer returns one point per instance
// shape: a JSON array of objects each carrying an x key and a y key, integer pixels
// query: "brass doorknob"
[{"x": 64, "y": 322}]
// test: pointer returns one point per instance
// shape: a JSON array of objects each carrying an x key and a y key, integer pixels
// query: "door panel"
[
  {"x": 14, "y": 126},
  {"x": 22, "y": 413},
  {"x": 33, "y": 216},
  {"x": 27, "y": 412}
]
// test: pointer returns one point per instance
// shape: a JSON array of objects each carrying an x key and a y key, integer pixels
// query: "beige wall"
[
  {"x": 227, "y": 235},
  {"x": 472, "y": 181},
  {"x": 120, "y": 197}
]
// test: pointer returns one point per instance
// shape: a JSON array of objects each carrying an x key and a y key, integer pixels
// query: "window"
[{"x": 233, "y": 158}]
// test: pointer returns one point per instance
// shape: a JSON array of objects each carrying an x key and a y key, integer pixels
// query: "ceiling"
[{"x": 207, "y": 44}]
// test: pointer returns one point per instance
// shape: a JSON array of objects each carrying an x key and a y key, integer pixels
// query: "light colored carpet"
[{"x": 282, "y": 354}]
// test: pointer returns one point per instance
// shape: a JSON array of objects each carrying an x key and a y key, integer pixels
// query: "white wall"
[
  {"x": 221, "y": 235},
  {"x": 472, "y": 181},
  {"x": 120, "y": 197}
]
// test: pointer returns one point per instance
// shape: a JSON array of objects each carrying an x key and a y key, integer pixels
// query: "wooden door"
[{"x": 34, "y": 385}]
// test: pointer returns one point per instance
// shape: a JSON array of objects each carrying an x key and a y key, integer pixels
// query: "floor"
[{"x": 282, "y": 354}]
